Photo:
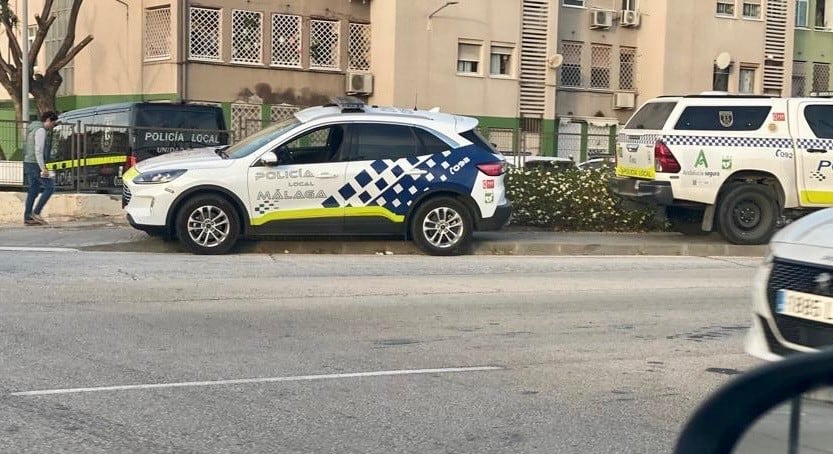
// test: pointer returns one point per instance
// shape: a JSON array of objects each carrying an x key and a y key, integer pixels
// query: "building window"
[
  {"x": 751, "y": 9},
  {"x": 571, "y": 68},
  {"x": 747, "y": 81},
  {"x": 468, "y": 58},
  {"x": 600, "y": 66},
  {"x": 726, "y": 7},
  {"x": 158, "y": 33},
  {"x": 55, "y": 39},
  {"x": 824, "y": 21},
  {"x": 802, "y": 10},
  {"x": 629, "y": 5},
  {"x": 246, "y": 36},
  {"x": 500, "y": 61},
  {"x": 358, "y": 48},
  {"x": 627, "y": 68},
  {"x": 204, "y": 34},
  {"x": 720, "y": 79},
  {"x": 579, "y": 3},
  {"x": 286, "y": 40},
  {"x": 324, "y": 40},
  {"x": 821, "y": 77},
  {"x": 799, "y": 79}
]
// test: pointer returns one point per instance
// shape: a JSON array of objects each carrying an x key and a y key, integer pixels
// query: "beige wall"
[
  {"x": 229, "y": 82},
  {"x": 417, "y": 66},
  {"x": 677, "y": 43}
]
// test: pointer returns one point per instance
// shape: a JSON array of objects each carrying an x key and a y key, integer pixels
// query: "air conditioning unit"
[
  {"x": 630, "y": 18},
  {"x": 624, "y": 100},
  {"x": 600, "y": 18},
  {"x": 359, "y": 83}
]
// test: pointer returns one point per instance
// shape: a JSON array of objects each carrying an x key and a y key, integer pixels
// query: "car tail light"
[
  {"x": 664, "y": 160},
  {"x": 130, "y": 162},
  {"x": 492, "y": 169}
]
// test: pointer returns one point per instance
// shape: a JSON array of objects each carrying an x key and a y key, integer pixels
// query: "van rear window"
[
  {"x": 723, "y": 118},
  {"x": 652, "y": 116},
  {"x": 180, "y": 117}
]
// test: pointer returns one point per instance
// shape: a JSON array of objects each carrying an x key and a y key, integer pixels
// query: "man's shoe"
[
  {"x": 39, "y": 219},
  {"x": 31, "y": 222}
]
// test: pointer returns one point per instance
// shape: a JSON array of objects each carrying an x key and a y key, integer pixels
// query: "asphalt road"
[{"x": 569, "y": 355}]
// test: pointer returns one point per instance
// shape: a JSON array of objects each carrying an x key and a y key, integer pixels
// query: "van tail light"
[
  {"x": 130, "y": 162},
  {"x": 492, "y": 169},
  {"x": 664, "y": 160}
]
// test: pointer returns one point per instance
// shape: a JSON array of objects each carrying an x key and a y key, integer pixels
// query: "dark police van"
[{"x": 94, "y": 146}]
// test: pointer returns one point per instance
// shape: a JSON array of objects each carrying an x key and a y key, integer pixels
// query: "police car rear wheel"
[
  {"x": 442, "y": 226},
  {"x": 208, "y": 225},
  {"x": 748, "y": 214}
]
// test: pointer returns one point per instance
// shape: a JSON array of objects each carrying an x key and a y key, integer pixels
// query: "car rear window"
[
  {"x": 474, "y": 137},
  {"x": 652, "y": 115},
  {"x": 723, "y": 118}
]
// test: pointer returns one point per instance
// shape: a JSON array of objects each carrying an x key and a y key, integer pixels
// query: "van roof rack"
[{"x": 347, "y": 104}]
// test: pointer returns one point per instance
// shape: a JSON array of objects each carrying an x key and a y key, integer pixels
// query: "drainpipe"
[{"x": 182, "y": 63}]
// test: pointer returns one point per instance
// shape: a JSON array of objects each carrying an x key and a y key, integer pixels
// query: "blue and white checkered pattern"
[
  {"x": 724, "y": 141},
  {"x": 820, "y": 144},
  {"x": 393, "y": 184},
  {"x": 647, "y": 139}
]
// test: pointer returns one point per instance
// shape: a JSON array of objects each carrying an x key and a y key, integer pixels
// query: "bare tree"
[{"x": 43, "y": 86}]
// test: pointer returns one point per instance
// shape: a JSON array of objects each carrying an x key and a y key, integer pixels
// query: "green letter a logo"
[{"x": 701, "y": 160}]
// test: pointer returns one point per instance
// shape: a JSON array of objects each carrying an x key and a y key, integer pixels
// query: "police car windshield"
[{"x": 254, "y": 142}]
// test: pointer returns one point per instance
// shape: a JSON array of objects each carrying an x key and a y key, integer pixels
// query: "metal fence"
[
  {"x": 92, "y": 157},
  {"x": 519, "y": 145}
]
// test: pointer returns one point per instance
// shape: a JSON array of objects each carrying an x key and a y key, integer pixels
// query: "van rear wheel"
[{"x": 748, "y": 213}]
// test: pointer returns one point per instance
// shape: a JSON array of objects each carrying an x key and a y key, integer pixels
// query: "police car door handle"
[
  {"x": 816, "y": 150},
  {"x": 327, "y": 175},
  {"x": 416, "y": 172}
]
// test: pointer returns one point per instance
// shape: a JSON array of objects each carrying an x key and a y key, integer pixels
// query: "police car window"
[
  {"x": 652, "y": 116},
  {"x": 316, "y": 146},
  {"x": 379, "y": 141},
  {"x": 723, "y": 118},
  {"x": 431, "y": 144},
  {"x": 820, "y": 120},
  {"x": 476, "y": 138},
  {"x": 180, "y": 117}
]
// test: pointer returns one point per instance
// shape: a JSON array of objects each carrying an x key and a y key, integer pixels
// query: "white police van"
[
  {"x": 735, "y": 163},
  {"x": 340, "y": 169}
]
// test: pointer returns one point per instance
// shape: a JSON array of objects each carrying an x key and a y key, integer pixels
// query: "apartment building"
[
  {"x": 619, "y": 53},
  {"x": 813, "y": 52},
  {"x": 261, "y": 60}
]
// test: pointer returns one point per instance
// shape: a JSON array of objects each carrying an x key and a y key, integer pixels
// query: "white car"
[
  {"x": 341, "y": 169},
  {"x": 793, "y": 290}
]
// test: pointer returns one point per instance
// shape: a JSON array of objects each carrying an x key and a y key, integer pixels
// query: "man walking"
[{"x": 38, "y": 144}]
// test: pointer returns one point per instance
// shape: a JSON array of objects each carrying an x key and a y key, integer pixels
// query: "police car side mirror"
[
  {"x": 765, "y": 410},
  {"x": 269, "y": 159}
]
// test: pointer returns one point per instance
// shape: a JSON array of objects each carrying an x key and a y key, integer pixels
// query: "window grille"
[
  {"x": 324, "y": 44},
  {"x": 358, "y": 47},
  {"x": 158, "y": 33},
  {"x": 600, "y": 66},
  {"x": 627, "y": 68},
  {"x": 245, "y": 119},
  {"x": 286, "y": 40},
  {"x": 281, "y": 112},
  {"x": 246, "y": 37},
  {"x": 571, "y": 68},
  {"x": 799, "y": 79},
  {"x": 204, "y": 34},
  {"x": 821, "y": 77}
]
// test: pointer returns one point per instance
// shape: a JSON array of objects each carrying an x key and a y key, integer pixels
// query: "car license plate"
[{"x": 804, "y": 305}]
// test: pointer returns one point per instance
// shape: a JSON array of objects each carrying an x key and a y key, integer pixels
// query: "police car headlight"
[{"x": 162, "y": 176}]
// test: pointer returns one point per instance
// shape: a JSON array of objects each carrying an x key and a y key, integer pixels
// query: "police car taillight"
[
  {"x": 494, "y": 169},
  {"x": 664, "y": 160},
  {"x": 130, "y": 162}
]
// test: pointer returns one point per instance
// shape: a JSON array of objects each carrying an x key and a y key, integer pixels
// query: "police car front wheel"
[
  {"x": 442, "y": 226},
  {"x": 208, "y": 224}
]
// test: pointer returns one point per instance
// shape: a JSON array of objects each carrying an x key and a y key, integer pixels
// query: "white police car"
[
  {"x": 340, "y": 169},
  {"x": 792, "y": 298}
]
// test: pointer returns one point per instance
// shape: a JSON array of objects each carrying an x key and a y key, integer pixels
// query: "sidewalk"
[{"x": 111, "y": 233}]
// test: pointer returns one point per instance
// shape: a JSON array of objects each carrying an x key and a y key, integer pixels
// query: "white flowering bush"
[{"x": 577, "y": 200}]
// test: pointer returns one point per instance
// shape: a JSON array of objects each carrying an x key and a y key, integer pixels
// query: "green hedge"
[{"x": 573, "y": 200}]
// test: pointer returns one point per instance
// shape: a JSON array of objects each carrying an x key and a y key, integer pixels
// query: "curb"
[{"x": 398, "y": 247}]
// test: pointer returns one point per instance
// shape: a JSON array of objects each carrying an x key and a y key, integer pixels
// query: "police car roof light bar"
[{"x": 347, "y": 103}]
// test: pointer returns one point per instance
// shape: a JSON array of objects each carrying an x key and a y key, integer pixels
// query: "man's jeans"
[{"x": 36, "y": 184}]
